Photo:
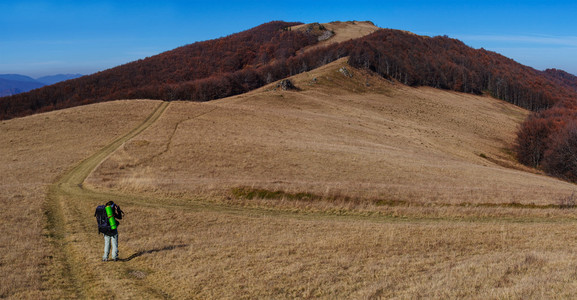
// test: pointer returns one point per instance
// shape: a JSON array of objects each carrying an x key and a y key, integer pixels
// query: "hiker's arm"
[{"x": 117, "y": 212}]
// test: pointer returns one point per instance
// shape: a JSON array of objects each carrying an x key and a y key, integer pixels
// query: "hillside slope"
[
  {"x": 253, "y": 58},
  {"x": 35, "y": 151},
  {"x": 361, "y": 137},
  {"x": 419, "y": 197},
  {"x": 200, "y": 71}
]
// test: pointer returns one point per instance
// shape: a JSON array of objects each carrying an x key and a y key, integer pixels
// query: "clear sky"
[{"x": 48, "y": 37}]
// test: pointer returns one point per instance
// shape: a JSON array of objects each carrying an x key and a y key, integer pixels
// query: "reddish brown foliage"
[
  {"x": 563, "y": 78},
  {"x": 560, "y": 159},
  {"x": 247, "y": 60},
  {"x": 191, "y": 72},
  {"x": 547, "y": 139},
  {"x": 447, "y": 63},
  {"x": 532, "y": 141},
  {"x": 553, "y": 148}
]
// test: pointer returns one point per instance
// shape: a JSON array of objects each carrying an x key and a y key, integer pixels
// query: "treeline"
[
  {"x": 244, "y": 61},
  {"x": 199, "y": 71},
  {"x": 446, "y": 63},
  {"x": 547, "y": 139}
]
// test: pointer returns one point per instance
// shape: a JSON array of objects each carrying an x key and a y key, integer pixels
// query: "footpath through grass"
[{"x": 67, "y": 205}]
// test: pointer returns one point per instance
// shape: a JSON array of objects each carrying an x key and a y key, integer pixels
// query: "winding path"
[
  {"x": 80, "y": 277},
  {"x": 71, "y": 229}
]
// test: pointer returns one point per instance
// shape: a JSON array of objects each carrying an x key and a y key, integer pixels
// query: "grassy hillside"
[
  {"x": 360, "y": 137},
  {"x": 369, "y": 189},
  {"x": 35, "y": 151}
]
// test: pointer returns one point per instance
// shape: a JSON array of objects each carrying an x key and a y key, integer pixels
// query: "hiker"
[{"x": 106, "y": 216}]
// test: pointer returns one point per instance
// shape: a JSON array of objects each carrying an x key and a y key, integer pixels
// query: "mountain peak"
[{"x": 341, "y": 31}]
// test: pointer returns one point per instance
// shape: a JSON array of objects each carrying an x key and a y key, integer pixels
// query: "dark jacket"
[{"x": 117, "y": 214}]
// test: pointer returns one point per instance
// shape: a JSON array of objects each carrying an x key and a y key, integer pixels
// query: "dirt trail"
[{"x": 79, "y": 277}]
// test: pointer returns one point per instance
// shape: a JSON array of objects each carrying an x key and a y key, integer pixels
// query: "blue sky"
[{"x": 40, "y": 38}]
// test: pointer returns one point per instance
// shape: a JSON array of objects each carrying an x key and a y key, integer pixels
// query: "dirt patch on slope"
[{"x": 336, "y": 32}]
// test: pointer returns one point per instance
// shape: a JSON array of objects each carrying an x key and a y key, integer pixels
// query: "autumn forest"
[{"x": 247, "y": 60}]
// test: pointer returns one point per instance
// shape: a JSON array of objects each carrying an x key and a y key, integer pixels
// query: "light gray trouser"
[{"x": 107, "y": 241}]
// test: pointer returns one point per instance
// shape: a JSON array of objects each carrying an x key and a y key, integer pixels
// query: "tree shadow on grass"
[{"x": 140, "y": 253}]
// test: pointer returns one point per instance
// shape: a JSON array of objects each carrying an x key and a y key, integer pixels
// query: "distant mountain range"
[{"x": 12, "y": 84}]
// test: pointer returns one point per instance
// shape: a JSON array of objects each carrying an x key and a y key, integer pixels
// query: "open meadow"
[
  {"x": 350, "y": 187},
  {"x": 35, "y": 152}
]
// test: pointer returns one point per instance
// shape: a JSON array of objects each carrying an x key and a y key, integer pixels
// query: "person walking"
[{"x": 107, "y": 217}]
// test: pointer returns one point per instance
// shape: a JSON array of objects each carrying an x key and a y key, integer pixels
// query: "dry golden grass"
[
  {"x": 194, "y": 250},
  {"x": 413, "y": 193},
  {"x": 34, "y": 151},
  {"x": 229, "y": 255},
  {"x": 359, "y": 137}
]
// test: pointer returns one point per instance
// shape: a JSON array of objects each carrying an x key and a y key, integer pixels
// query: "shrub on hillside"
[
  {"x": 560, "y": 159},
  {"x": 532, "y": 141},
  {"x": 548, "y": 139}
]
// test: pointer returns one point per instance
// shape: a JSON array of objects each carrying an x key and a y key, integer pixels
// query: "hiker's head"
[{"x": 110, "y": 203}]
